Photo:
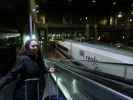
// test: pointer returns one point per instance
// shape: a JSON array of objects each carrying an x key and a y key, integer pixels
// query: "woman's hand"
[{"x": 51, "y": 69}]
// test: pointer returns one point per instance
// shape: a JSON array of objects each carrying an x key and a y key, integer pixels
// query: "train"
[{"x": 103, "y": 58}]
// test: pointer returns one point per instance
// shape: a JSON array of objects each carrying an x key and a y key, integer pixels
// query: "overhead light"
[
  {"x": 34, "y": 10},
  {"x": 93, "y": 1},
  {"x": 27, "y": 37},
  {"x": 10, "y": 35},
  {"x": 86, "y": 18},
  {"x": 120, "y": 15},
  {"x": 114, "y": 3},
  {"x": 123, "y": 37},
  {"x": 37, "y": 11},
  {"x": 130, "y": 20},
  {"x": 132, "y": 5},
  {"x": 33, "y": 36}
]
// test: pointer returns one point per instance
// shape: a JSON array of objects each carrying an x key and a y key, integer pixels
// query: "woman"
[{"x": 29, "y": 65}]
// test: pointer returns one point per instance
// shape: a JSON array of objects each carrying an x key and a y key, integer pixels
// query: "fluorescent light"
[{"x": 120, "y": 15}]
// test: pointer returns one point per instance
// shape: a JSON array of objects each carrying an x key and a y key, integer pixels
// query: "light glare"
[
  {"x": 114, "y": 3},
  {"x": 93, "y": 1},
  {"x": 120, "y": 15}
]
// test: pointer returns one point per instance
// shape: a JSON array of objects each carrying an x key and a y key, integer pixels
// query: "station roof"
[
  {"x": 14, "y": 13},
  {"x": 90, "y": 7}
]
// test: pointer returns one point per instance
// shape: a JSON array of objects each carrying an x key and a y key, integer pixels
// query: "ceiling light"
[
  {"x": 34, "y": 10},
  {"x": 120, "y": 15},
  {"x": 130, "y": 20},
  {"x": 93, "y": 1},
  {"x": 114, "y": 3},
  {"x": 86, "y": 18},
  {"x": 37, "y": 11}
]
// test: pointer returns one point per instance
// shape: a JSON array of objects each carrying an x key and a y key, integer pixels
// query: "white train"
[{"x": 111, "y": 60}]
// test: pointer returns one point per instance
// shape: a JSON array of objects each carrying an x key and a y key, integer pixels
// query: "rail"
[{"x": 98, "y": 91}]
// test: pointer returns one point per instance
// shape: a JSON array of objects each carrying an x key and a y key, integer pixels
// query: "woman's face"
[{"x": 34, "y": 47}]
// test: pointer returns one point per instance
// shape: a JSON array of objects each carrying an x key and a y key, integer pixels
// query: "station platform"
[
  {"x": 74, "y": 81},
  {"x": 70, "y": 82}
]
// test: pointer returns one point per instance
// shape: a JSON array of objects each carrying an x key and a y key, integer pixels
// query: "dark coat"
[{"x": 26, "y": 67}]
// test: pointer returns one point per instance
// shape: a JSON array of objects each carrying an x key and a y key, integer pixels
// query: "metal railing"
[{"x": 82, "y": 87}]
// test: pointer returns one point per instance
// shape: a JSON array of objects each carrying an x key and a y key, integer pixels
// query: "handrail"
[
  {"x": 124, "y": 65},
  {"x": 92, "y": 61},
  {"x": 110, "y": 92}
]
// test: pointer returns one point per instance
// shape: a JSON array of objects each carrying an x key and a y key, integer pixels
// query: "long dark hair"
[{"x": 25, "y": 50}]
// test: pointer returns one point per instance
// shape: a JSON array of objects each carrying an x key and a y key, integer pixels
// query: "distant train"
[{"x": 111, "y": 60}]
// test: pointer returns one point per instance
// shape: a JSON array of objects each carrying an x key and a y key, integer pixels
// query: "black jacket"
[{"x": 26, "y": 67}]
